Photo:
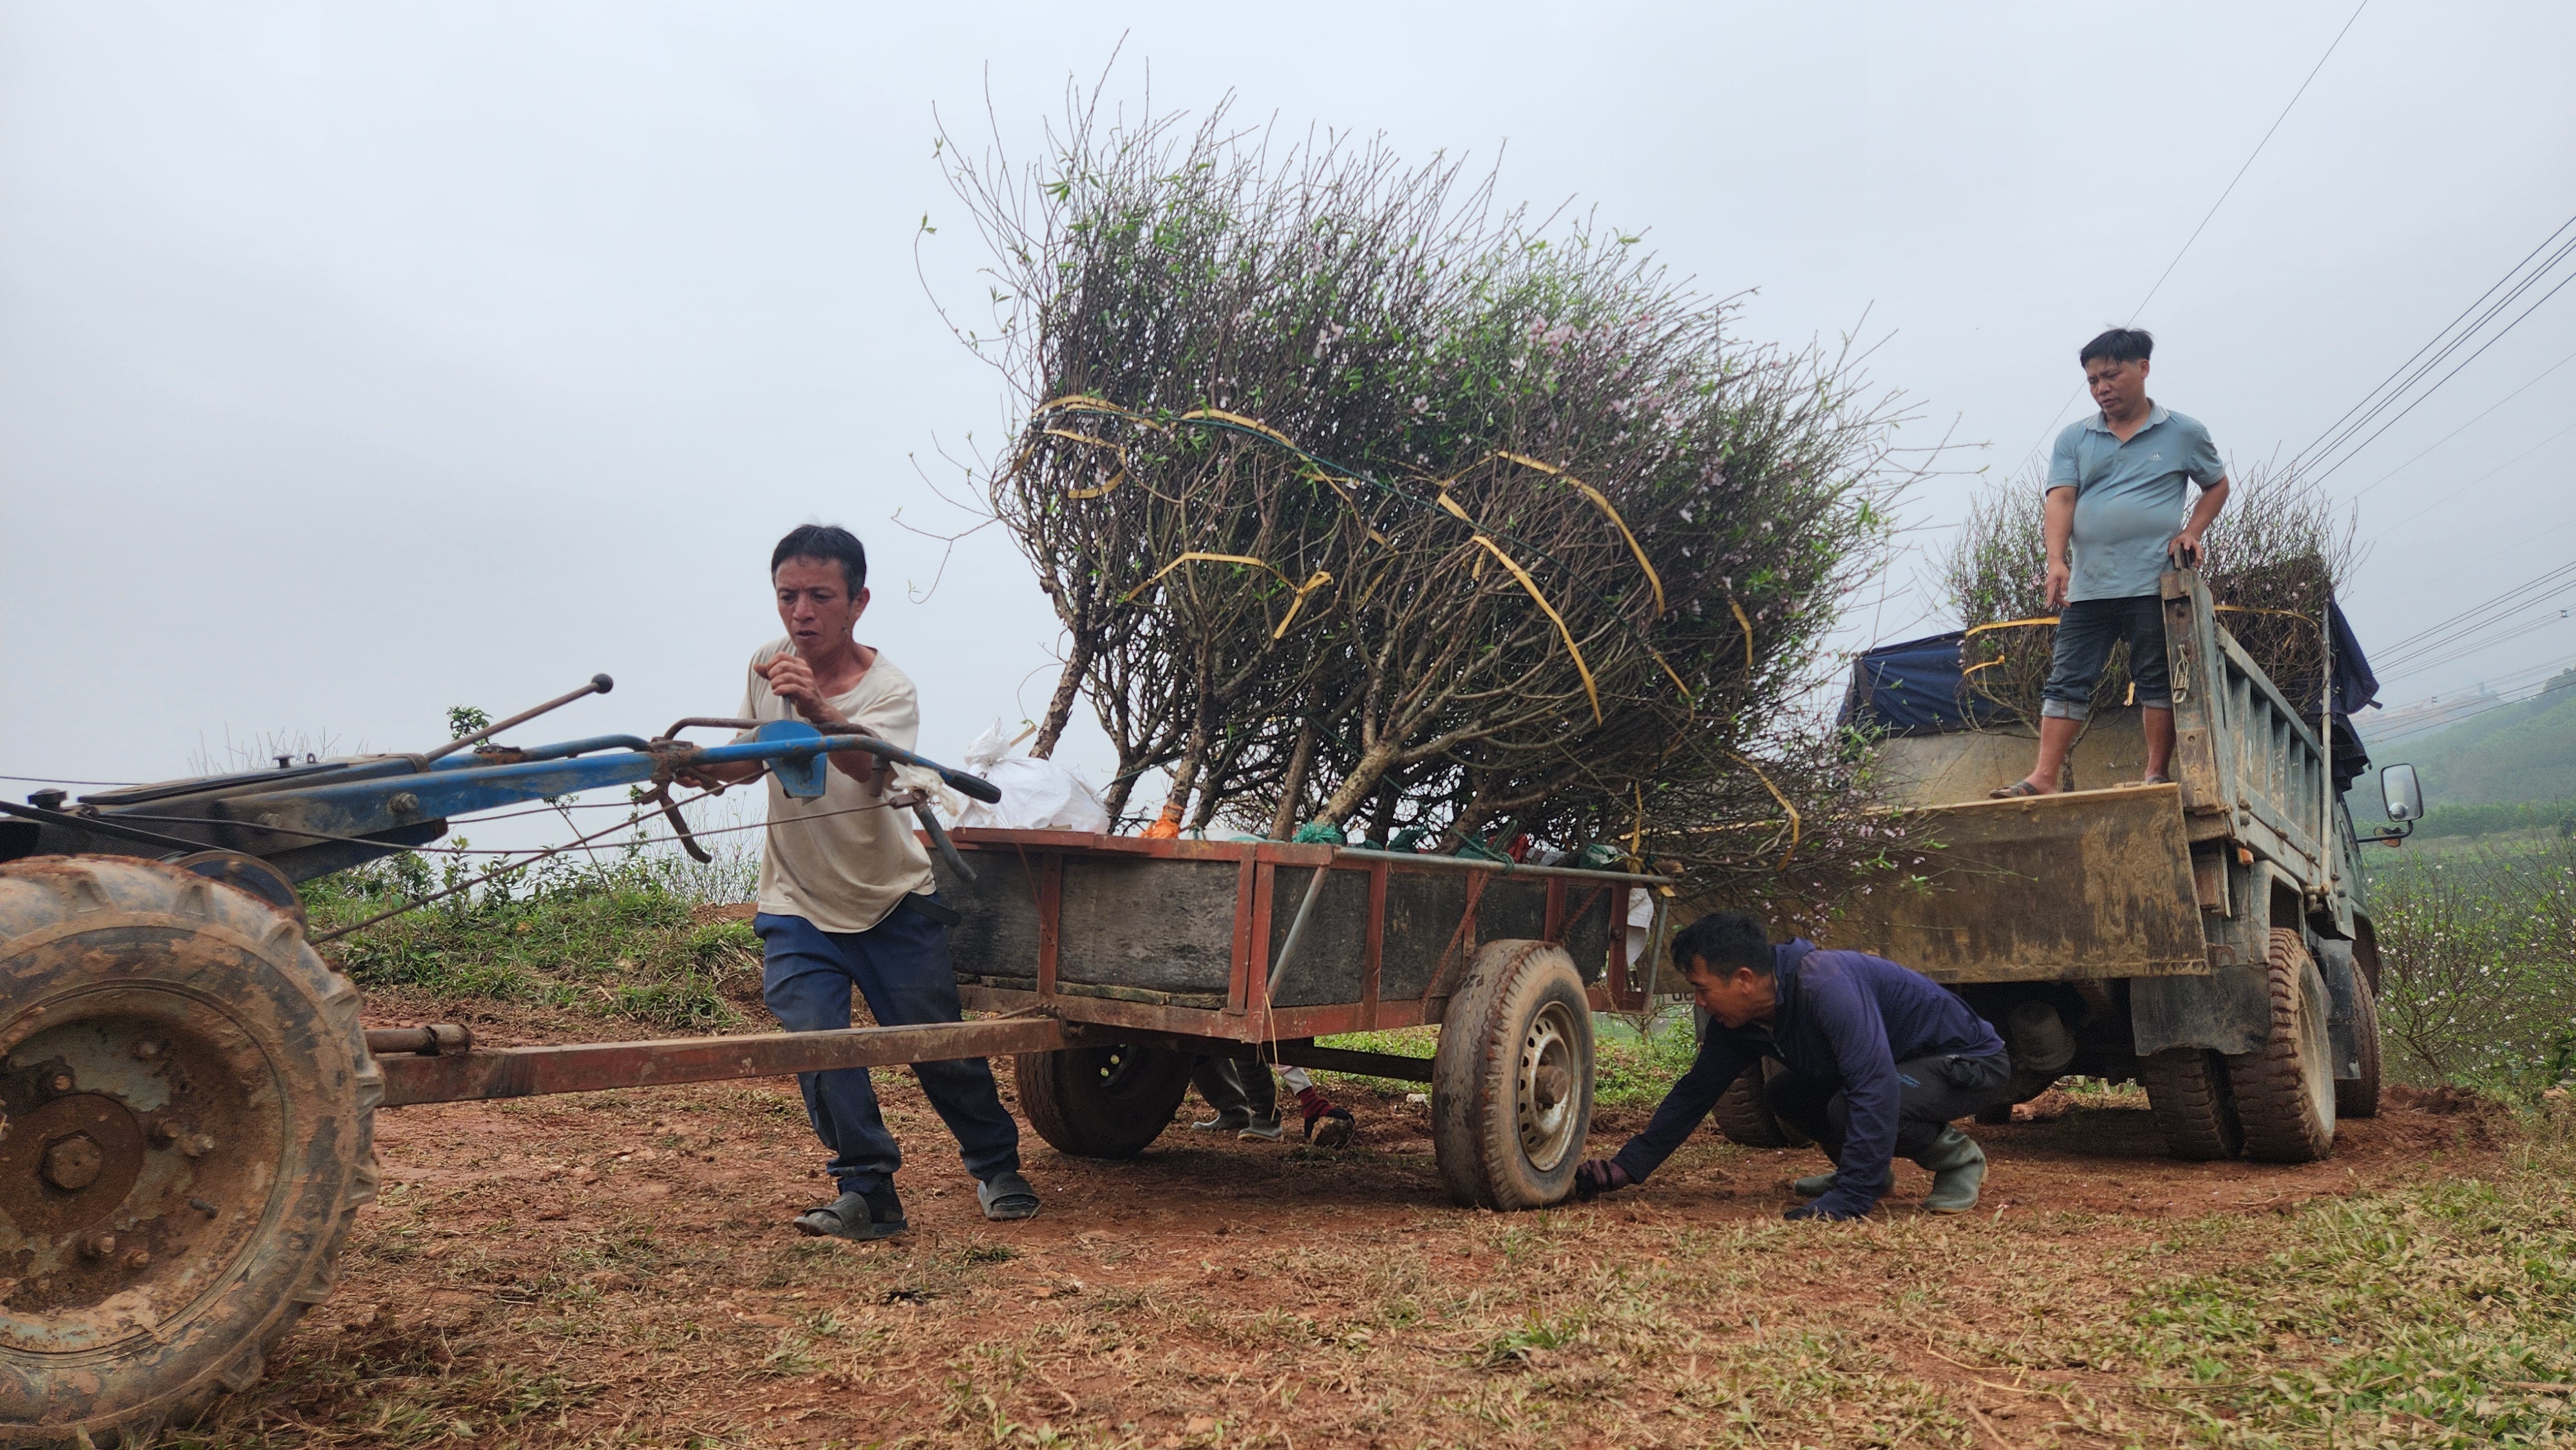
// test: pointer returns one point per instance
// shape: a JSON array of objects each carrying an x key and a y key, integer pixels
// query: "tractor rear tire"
[
  {"x": 1101, "y": 1102},
  {"x": 190, "y": 1111},
  {"x": 1743, "y": 1112},
  {"x": 1511, "y": 1079},
  {"x": 2358, "y": 1097},
  {"x": 2194, "y": 1104},
  {"x": 2285, "y": 1089}
]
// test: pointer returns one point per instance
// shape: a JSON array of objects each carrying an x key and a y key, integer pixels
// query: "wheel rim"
[
  {"x": 1548, "y": 1093},
  {"x": 146, "y": 1135}
]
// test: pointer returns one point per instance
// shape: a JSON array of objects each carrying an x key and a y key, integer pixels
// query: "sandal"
[
  {"x": 2151, "y": 778},
  {"x": 877, "y": 1214},
  {"x": 1007, "y": 1196},
  {"x": 2014, "y": 791}
]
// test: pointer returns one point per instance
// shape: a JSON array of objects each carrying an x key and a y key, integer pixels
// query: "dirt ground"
[{"x": 616, "y": 1268}]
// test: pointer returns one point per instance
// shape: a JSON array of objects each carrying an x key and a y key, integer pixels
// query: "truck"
[{"x": 2208, "y": 938}]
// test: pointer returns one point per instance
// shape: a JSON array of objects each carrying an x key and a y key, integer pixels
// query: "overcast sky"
[{"x": 360, "y": 361}]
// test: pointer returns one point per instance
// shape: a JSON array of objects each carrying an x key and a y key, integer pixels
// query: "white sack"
[{"x": 1037, "y": 795}]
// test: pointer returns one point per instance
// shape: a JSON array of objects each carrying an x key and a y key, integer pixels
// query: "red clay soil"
[{"x": 617, "y": 1268}]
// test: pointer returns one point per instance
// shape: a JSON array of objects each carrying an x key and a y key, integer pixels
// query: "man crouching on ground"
[
  {"x": 846, "y": 898},
  {"x": 1881, "y": 1060}
]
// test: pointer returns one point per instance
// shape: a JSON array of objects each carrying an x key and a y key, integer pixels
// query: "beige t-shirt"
[{"x": 836, "y": 865}]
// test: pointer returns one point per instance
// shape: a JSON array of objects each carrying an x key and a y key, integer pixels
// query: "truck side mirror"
[{"x": 2401, "y": 794}]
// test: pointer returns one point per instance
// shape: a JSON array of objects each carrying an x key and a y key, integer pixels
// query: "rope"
[{"x": 1784, "y": 805}]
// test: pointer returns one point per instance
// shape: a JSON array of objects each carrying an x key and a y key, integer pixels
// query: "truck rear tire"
[
  {"x": 1511, "y": 1080},
  {"x": 1744, "y": 1115},
  {"x": 2194, "y": 1103},
  {"x": 1101, "y": 1102},
  {"x": 2285, "y": 1089},
  {"x": 2358, "y": 1097},
  {"x": 191, "y": 1111}
]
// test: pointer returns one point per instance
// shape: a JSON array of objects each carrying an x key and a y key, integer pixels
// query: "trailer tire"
[
  {"x": 1511, "y": 1079},
  {"x": 1101, "y": 1102},
  {"x": 2193, "y": 1102},
  {"x": 192, "y": 1111},
  {"x": 2358, "y": 1097},
  {"x": 2285, "y": 1089},
  {"x": 1743, "y": 1112}
]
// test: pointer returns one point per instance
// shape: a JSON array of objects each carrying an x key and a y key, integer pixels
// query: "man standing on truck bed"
[
  {"x": 2115, "y": 488},
  {"x": 846, "y": 898},
  {"x": 1881, "y": 1059}
]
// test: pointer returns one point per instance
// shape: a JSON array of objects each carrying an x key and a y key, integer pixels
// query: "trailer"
[
  {"x": 187, "y": 1090},
  {"x": 2209, "y": 938}
]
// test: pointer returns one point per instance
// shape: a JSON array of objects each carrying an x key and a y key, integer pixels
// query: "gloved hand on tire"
[{"x": 1597, "y": 1176}]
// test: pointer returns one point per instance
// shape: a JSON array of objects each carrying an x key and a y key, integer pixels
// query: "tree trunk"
[
  {"x": 1292, "y": 791},
  {"x": 1362, "y": 782},
  {"x": 1068, "y": 687}
]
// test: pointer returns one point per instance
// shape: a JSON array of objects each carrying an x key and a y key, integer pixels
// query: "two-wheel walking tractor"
[{"x": 187, "y": 1091}]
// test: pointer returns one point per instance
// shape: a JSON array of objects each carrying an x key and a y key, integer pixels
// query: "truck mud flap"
[{"x": 2075, "y": 886}]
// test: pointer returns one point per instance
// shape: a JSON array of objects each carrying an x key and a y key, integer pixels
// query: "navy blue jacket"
[{"x": 1843, "y": 1017}]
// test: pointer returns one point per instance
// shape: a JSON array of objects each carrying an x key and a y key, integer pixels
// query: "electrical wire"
[
  {"x": 2374, "y": 742},
  {"x": 58, "y": 780},
  {"x": 2463, "y": 428},
  {"x": 2354, "y": 450},
  {"x": 2223, "y": 195},
  {"x": 2413, "y": 640},
  {"x": 2474, "y": 482}
]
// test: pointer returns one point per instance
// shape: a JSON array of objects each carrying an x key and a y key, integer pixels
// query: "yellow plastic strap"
[
  {"x": 1219, "y": 415},
  {"x": 1567, "y": 634},
  {"x": 1115, "y": 479},
  {"x": 1784, "y": 805},
  {"x": 1602, "y": 504},
  {"x": 1314, "y": 581},
  {"x": 2005, "y": 624},
  {"x": 1748, "y": 633}
]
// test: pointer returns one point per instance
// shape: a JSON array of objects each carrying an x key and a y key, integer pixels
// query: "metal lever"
[
  {"x": 599, "y": 685},
  {"x": 939, "y": 837}
]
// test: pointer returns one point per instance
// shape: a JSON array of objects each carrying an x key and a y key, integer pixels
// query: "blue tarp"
[{"x": 1914, "y": 688}]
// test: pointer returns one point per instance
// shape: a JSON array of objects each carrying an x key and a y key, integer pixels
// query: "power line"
[
  {"x": 2229, "y": 191},
  {"x": 2474, "y": 482},
  {"x": 2463, "y": 428},
  {"x": 2349, "y": 453},
  {"x": 2375, "y": 742},
  {"x": 2399, "y": 646}
]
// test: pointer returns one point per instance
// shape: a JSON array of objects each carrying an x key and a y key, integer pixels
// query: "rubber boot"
[
  {"x": 1815, "y": 1187},
  {"x": 1957, "y": 1166}
]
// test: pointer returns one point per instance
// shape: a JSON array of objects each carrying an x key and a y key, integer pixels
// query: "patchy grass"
[
  {"x": 622, "y": 941},
  {"x": 1628, "y": 1069}
]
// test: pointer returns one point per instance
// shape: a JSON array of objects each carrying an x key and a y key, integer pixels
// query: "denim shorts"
[{"x": 2086, "y": 630}]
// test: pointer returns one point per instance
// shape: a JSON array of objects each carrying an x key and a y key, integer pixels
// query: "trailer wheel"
[
  {"x": 1101, "y": 1102},
  {"x": 1743, "y": 1112},
  {"x": 2285, "y": 1089},
  {"x": 1511, "y": 1079},
  {"x": 2195, "y": 1107},
  {"x": 189, "y": 1132},
  {"x": 2358, "y": 1097}
]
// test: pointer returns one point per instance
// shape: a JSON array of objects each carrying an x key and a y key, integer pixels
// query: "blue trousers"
[
  {"x": 2086, "y": 630},
  {"x": 901, "y": 966}
]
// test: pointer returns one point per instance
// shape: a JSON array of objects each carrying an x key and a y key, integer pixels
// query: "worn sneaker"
[
  {"x": 1232, "y": 1120},
  {"x": 1815, "y": 1187},
  {"x": 1263, "y": 1130}
]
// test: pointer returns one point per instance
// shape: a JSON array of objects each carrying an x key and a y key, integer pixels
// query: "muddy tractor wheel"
[
  {"x": 1511, "y": 1080},
  {"x": 189, "y": 1132},
  {"x": 2194, "y": 1105},
  {"x": 2285, "y": 1089},
  {"x": 2358, "y": 1097},
  {"x": 1743, "y": 1112},
  {"x": 1101, "y": 1102}
]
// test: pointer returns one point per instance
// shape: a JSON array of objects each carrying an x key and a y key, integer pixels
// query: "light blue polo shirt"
[{"x": 2129, "y": 497}]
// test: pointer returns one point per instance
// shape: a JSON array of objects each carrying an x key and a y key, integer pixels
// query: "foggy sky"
[{"x": 360, "y": 361}]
